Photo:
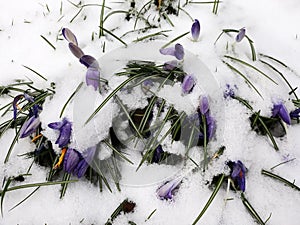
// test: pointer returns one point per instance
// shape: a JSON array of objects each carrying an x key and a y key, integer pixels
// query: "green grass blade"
[
  {"x": 290, "y": 184},
  {"x": 117, "y": 152},
  {"x": 69, "y": 99},
  {"x": 243, "y": 76},
  {"x": 114, "y": 12},
  {"x": 48, "y": 42},
  {"x": 211, "y": 198},
  {"x": 101, "y": 24},
  {"x": 3, "y": 192},
  {"x": 64, "y": 186},
  {"x": 110, "y": 96},
  {"x": 139, "y": 13},
  {"x": 251, "y": 66},
  {"x": 40, "y": 75},
  {"x": 159, "y": 33},
  {"x": 251, "y": 210},
  {"x": 175, "y": 39},
  {"x": 116, "y": 37},
  {"x": 282, "y": 76},
  {"x": 28, "y": 196}
]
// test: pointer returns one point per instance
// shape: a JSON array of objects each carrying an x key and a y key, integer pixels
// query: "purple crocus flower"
[
  {"x": 93, "y": 72},
  {"x": 239, "y": 37},
  {"x": 170, "y": 65},
  {"x": 14, "y": 104},
  {"x": 211, "y": 126},
  {"x": 279, "y": 110},
  {"x": 65, "y": 129},
  {"x": 166, "y": 191},
  {"x": 229, "y": 92},
  {"x": 157, "y": 155},
  {"x": 204, "y": 105},
  {"x": 195, "y": 30},
  {"x": 177, "y": 51},
  {"x": 76, "y": 162},
  {"x": 69, "y": 36},
  {"x": 188, "y": 84},
  {"x": 29, "y": 126},
  {"x": 71, "y": 160},
  {"x": 77, "y": 52},
  {"x": 295, "y": 114},
  {"x": 86, "y": 158},
  {"x": 238, "y": 171}
]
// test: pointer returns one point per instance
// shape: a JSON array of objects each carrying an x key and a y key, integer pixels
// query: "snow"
[{"x": 272, "y": 25}]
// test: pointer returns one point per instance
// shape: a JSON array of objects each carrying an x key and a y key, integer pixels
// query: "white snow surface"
[{"x": 274, "y": 28}]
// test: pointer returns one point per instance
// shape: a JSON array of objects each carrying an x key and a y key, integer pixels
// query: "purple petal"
[
  {"x": 29, "y": 126},
  {"x": 64, "y": 136},
  {"x": 229, "y": 92},
  {"x": 92, "y": 77},
  {"x": 87, "y": 157},
  {"x": 55, "y": 125},
  {"x": 170, "y": 65},
  {"x": 69, "y": 36},
  {"x": 281, "y": 111},
  {"x": 238, "y": 174},
  {"x": 89, "y": 61},
  {"x": 14, "y": 104},
  {"x": 211, "y": 126},
  {"x": 284, "y": 115},
  {"x": 167, "y": 51},
  {"x": 240, "y": 35},
  {"x": 188, "y": 84},
  {"x": 71, "y": 160},
  {"x": 179, "y": 51},
  {"x": 166, "y": 190},
  {"x": 157, "y": 154},
  {"x": 295, "y": 114},
  {"x": 204, "y": 105},
  {"x": 195, "y": 30},
  {"x": 77, "y": 52}
]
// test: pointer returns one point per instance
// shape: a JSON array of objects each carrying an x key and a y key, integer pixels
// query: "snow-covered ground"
[{"x": 271, "y": 25}]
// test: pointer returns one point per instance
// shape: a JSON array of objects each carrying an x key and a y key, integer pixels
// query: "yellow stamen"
[
  {"x": 36, "y": 137},
  {"x": 61, "y": 158},
  {"x": 159, "y": 4}
]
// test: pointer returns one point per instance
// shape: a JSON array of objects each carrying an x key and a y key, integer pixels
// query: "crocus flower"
[
  {"x": 14, "y": 104},
  {"x": 86, "y": 158},
  {"x": 195, "y": 30},
  {"x": 239, "y": 37},
  {"x": 188, "y": 84},
  {"x": 69, "y": 36},
  {"x": 29, "y": 126},
  {"x": 170, "y": 65},
  {"x": 166, "y": 191},
  {"x": 65, "y": 128},
  {"x": 204, "y": 105},
  {"x": 93, "y": 70},
  {"x": 76, "y": 162},
  {"x": 176, "y": 51},
  {"x": 295, "y": 114},
  {"x": 279, "y": 110},
  {"x": 229, "y": 92},
  {"x": 238, "y": 171},
  {"x": 157, "y": 155}
]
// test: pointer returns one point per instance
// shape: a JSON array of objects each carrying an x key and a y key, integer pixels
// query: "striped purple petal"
[
  {"x": 195, "y": 30},
  {"x": 295, "y": 114},
  {"x": 76, "y": 51},
  {"x": 71, "y": 160},
  {"x": 86, "y": 158},
  {"x": 188, "y": 84},
  {"x": 69, "y": 36},
  {"x": 281, "y": 111},
  {"x": 204, "y": 105},
  {"x": 29, "y": 126},
  {"x": 166, "y": 191},
  {"x": 179, "y": 51},
  {"x": 89, "y": 61},
  {"x": 171, "y": 65},
  {"x": 14, "y": 104},
  {"x": 92, "y": 77},
  {"x": 239, "y": 37}
]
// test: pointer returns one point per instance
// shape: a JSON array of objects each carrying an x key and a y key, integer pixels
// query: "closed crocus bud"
[
  {"x": 166, "y": 191},
  {"x": 195, "y": 30},
  {"x": 188, "y": 84},
  {"x": 204, "y": 105},
  {"x": 238, "y": 171},
  {"x": 30, "y": 126},
  {"x": 77, "y": 52},
  {"x": 71, "y": 160},
  {"x": 69, "y": 36},
  {"x": 92, "y": 77},
  {"x": 239, "y": 37},
  {"x": 177, "y": 51}
]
